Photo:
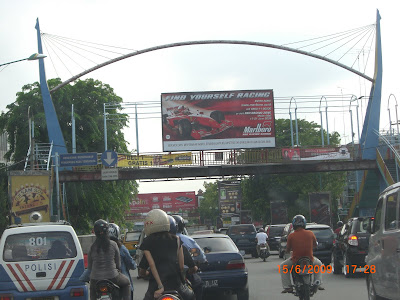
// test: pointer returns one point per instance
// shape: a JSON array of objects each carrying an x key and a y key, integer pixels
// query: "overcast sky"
[{"x": 142, "y": 24}]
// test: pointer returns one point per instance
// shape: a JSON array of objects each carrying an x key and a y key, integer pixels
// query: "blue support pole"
[{"x": 53, "y": 126}]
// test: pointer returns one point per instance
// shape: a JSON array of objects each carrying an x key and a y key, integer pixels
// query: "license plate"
[
  {"x": 210, "y": 283},
  {"x": 105, "y": 297},
  {"x": 43, "y": 298}
]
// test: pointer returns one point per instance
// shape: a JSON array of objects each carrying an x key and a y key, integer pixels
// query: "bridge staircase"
[{"x": 39, "y": 158}]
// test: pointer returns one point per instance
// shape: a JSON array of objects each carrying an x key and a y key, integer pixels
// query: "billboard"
[
  {"x": 169, "y": 202},
  {"x": 218, "y": 120},
  {"x": 125, "y": 161},
  {"x": 29, "y": 192},
  {"x": 329, "y": 153},
  {"x": 279, "y": 213},
  {"x": 230, "y": 197},
  {"x": 320, "y": 208}
]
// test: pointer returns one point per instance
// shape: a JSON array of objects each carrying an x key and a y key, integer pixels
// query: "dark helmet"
[
  {"x": 172, "y": 225},
  {"x": 299, "y": 221},
  {"x": 261, "y": 230},
  {"x": 339, "y": 224},
  {"x": 100, "y": 227},
  {"x": 113, "y": 231},
  {"x": 180, "y": 222}
]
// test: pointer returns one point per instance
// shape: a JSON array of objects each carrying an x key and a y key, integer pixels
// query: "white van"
[{"x": 41, "y": 261}]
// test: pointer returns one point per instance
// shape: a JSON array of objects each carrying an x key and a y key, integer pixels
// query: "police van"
[{"x": 41, "y": 261}]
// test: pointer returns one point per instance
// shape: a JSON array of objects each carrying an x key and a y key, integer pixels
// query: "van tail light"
[
  {"x": 6, "y": 297},
  {"x": 353, "y": 240},
  {"x": 77, "y": 292},
  {"x": 235, "y": 264}
]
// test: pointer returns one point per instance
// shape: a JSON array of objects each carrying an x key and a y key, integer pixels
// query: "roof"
[
  {"x": 62, "y": 222},
  {"x": 315, "y": 226},
  {"x": 210, "y": 235}
]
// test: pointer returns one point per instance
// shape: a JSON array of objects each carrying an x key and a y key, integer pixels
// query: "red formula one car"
[{"x": 196, "y": 125}]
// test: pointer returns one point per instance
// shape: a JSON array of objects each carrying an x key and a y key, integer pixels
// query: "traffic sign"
[
  {"x": 78, "y": 159},
  {"x": 109, "y": 158},
  {"x": 109, "y": 174}
]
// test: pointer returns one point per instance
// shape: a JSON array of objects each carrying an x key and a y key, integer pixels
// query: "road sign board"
[
  {"x": 109, "y": 174},
  {"x": 109, "y": 158},
  {"x": 78, "y": 159}
]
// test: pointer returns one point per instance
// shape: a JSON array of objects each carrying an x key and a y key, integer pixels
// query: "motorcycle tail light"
[
  {"x": 103, "y": 289},
  {"x": 6, "y": 297},
  {"x": 235, "y": 264},
  {"x": 194, "y": 252},
  {"x": 77, "y": 292},
  {"x": 353, "y": 240}
]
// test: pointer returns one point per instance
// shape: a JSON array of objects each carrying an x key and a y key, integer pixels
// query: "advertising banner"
[
  {"x": 329, "y": 153},
  {"x": 320, "y": 207},
  {"x": 279, "y": 213},
  {"x": 126, "y": 161},
  {"x": 29, "y": 193},
  {"x": 230, "y": 197},
  {"x": 169, "y": 202},
  {"x": 218, "y": 120}
]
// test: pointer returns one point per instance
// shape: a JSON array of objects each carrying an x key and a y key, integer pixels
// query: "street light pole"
[{"x": 34, "y": 56}]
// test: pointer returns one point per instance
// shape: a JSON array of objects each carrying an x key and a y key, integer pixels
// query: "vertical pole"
[
  {"x": 351, "y": 123},
  {"x": 105, "y": 126},
  {"x": 358, "y": 125},
  {"x": 57, "y": 189},
  {"x": 297, "y": 127},
  {"x": 291, "y": 128},
  {"x": 73, "y": 130},
  {"x": 322, "y": 129},
  {"x": 137, "y": 130},
  {"x": 327, "y": 130},
  {"x": 390, "y": 123}
]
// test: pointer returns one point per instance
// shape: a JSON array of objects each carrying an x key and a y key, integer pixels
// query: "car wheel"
[
  {"x": 347, "y": 270},
  {"x": 217, "y": 116},
  {"x": 280, "y": 253},
  {"x": 185, "y": 128},
  {"x": 243, "y": 294},
  {"x": 371, "y": 290},
  {"x": 254, "y": 254},
  {"x": 336, "y": 266}
]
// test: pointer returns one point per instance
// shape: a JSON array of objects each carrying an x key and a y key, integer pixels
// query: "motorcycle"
[
  {"x": 107, "y": 290},
  {"x": 170, "y": 295},
  {"x": 302, "y": 275},
  {"x": 264, "y": 251}
]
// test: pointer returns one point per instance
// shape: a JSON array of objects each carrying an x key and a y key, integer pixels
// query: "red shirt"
[{"x": 301, "y": 242}]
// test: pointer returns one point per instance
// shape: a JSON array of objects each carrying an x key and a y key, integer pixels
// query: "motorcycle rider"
[
  {"x": 261, "y": 238},
  {"x": 339, "y": 226},
  {"x": 104, "y": 261},
  {"x": 127, "y": 262},
  {"x": 162, "y": 250},
  {"x": 301, "y": 242}
]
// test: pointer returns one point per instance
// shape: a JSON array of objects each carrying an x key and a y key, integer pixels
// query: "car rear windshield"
[
  {"x": 241, "y": 230},
  {"x": 39, "y": 246},
  {"x": 132, "y": 236},
  {"x": 360, "y": 226},
  {"x": 322, "y": 232},
  {"x": 216, "y": 244},
  {"x": 275, "y": 231}
]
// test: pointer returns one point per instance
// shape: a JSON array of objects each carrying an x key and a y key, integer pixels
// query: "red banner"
[
  {"x": 169, "y": 202},
  {"x": 218, "y": 120}
]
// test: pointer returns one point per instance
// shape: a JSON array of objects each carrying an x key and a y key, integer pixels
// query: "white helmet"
[
  {"x": 156, "y": 221},
  {"x": 113, "y": 230}
]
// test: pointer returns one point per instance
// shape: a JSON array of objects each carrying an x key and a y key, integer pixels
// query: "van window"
[
  {"x": 35, "y": 246},
  {"x": 390, "y": 213},
  {"x": 378, "y": 215}
]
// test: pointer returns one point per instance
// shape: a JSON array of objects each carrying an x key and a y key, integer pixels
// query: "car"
[
  {"x": 283, "y": 239},
  {"x": 325, "y": 237},
  {"x": 195, "y": 124},
  {"x": 274, "y": 233},
  {"x": 225, "y": 271},
  {"x": 382, "y": 262},
  {"x": 41, "y": 261},
  {"x": 222, "y": 230},
  {"x": 244, "y": 237},
  {"x": 130, "y": 241},
  {"x": 351, "y": 246}
]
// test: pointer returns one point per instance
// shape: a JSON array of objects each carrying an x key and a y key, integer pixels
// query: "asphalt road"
[{"x": 265, "y": 283}]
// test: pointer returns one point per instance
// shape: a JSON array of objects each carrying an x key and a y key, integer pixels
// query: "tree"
[
  {"x": 87, "y": 201},
  {"x": 207, "y": 205},
  {"x": 259, "y": 190}
]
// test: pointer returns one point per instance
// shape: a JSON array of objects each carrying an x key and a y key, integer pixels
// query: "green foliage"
[
  {"x": 210, "y": 202},
  {"x": 87, "y": 201}
]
